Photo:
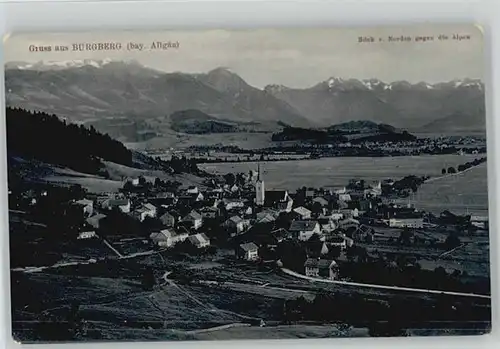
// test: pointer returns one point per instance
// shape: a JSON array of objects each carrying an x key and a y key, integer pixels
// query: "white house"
[
  {"x": 192, "y": 190},
  {"x": 87, "y": 206},
  {"x": 194, "y": 218},
  {"x": 249, "y": 251},
  {"x": 230, "y": 204},
  {"x": 303, "y": 230},
  {"x": 146, "y": 210},
  {"x": 86, "y": 235},
  {"x": 345, "y": 197},
  {"x": 95, "y": 220},
  {"x": 406, "y": 223},
  {"x": 236, "y": 224},
  {"x": 321, "y": 268},
  {"x": 167, "y": 237},
  {"x": 302, "y": 212},
  {"x": 199, "y": 240},
  {"x": 122, "y": 204}
]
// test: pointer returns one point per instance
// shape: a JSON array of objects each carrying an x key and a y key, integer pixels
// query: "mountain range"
[{"x": 98, "y": 92}]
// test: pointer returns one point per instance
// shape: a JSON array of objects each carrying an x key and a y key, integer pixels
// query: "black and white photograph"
[{"x": 228, "y": 184}]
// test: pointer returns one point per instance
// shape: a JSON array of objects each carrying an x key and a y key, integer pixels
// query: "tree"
[
  {"x": 452, "y": 241},
  {"x": 443, "y": 171},
  {"x": 451, "y": 170},
  {"x": 148, "y": 279}
]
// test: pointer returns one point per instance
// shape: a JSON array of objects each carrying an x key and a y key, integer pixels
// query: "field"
[
  {"x": 464, "y": 193},
  {"x": 337, "y": 171},
  {"x": 434, "y": 196}
]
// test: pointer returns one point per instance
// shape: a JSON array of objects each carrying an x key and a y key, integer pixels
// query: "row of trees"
[{"x": 463, "y": 167}]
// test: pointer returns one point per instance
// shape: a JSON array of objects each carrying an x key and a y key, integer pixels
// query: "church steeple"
[{"x": 260, "y": 190}]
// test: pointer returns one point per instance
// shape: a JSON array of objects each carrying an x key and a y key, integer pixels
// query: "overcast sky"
[{"x": 292, "y": 57}]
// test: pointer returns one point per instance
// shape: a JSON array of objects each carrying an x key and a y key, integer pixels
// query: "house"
[
  {"x": 303, "y": 230},
  {"x": 133, "y": 181},
  {"x": 168, "y": 220},
  {"x": 266, "y": 216},
  {"x": 339, "y": 190},
  {"x": 87, "y": 234},
  {"x": 235, "y": 188},
  {"x": 278, "y": 199},
  {"x": 336, "y": 216},
  {"x": 416, "y": 223},
  {"x": 337, "y": 241},
  {"x": 166, "y": 198},
  {"x": 95, "y": 220},
  {"x": 146, "y": 210},
  {"x": 348, "y": 223},
  {"x": 350, "y": 213},
  {"x": 87, "y": 206},
  {"x": 321, "y": 268},
  {"x": 302, "y": 212},
  {"x": 122, "y": 204},
  {"x": 236, "y": 224},
  {"x": 194, "y": 219},
  {"x": 230, "y": 204},
  {"x": 345, "y": 197},
  {"x": 249, "y": 251},
  {"x": 322, "y": 201},
  {"x": 167, "y": 237},
  {"x": 209, "y": 212},
  {"x": 199, "y": 240},
  {"x": 315, "y": 248},
  {"x": 192, "y": 190}
]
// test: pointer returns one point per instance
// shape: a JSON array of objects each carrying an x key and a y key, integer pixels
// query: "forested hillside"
[{"x": 38, "y": 135}]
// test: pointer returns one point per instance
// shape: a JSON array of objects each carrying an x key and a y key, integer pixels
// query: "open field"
[
  {"x": 243, "y": 140},
  {"x": 337, "y": 171},
  {"x": 463, "y": 193}
]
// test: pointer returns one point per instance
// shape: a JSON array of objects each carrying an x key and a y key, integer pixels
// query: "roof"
[
  {"x": 302, "y": 211},
  {"x": 235, "y": 219},
  {"x": 94, "y": 220},
  {"x": 192, "y": 215},
  {"x": 321, "y": 200},
  {"x": 275, "y": 196},
  {"x": 198, "y": 239},
  {"x": 249, "y": 246},
  {"x": 150, "y": 206},
  {"x": 118, "y": 202},
  {"x": 85, "y": 202},
  {"x": 319, "y": 263},
  {"x": 303, "y": 225}
]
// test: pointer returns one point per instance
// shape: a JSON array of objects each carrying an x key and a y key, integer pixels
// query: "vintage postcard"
[{"x": 247, "y": 184}]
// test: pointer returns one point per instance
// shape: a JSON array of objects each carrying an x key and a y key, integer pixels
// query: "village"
[{"x": 313, "y": 231}]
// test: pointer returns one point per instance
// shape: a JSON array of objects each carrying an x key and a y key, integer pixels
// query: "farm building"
[
  {"x": 248, "y": 251},
  {"x": 326, "y": 268},
  {"x": 167, "y": 237},
  {"x": 406, "y": 223},
  {"x": 303, "y": 230},
  {"x": 199, "y": 240}
]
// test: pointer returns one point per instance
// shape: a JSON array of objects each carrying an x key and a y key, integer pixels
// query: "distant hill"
[
  {"x": 456, "y": 122},
  {"x": 196, "y": 122},
  {"x": 352, "y": 131}
]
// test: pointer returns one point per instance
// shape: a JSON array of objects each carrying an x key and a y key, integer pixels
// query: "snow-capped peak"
[
  {"x": 43, "y": 65},
  {"x": 372, "y": 83},
  {"x": 334, "y": 81}
]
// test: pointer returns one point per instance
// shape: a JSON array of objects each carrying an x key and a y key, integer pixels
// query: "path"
[
  {"x": 449, "y": 175},
  {"x": 451, "y": 251},
  {"x": 384, "y": 287}
]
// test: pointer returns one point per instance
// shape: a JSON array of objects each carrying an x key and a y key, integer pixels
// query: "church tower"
[{"x": 259, "y": 189}]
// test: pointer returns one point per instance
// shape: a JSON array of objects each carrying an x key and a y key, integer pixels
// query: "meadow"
[{"x": 463, "y": 192}]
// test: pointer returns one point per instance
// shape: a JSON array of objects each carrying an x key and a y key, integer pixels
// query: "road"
[{"x": 384, "y": 287}]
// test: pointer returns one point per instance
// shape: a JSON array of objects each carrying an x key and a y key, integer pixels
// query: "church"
[{"x": 278, "y": 200}]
